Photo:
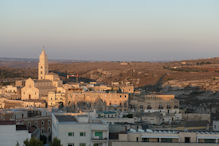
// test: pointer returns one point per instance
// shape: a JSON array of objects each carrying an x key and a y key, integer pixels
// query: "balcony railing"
[{"x": 100, "y": 138}]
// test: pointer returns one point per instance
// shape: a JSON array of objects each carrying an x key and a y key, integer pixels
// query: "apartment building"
[
  {"x": 12, "y": 134},
  {"x": 167, "y": 138},
  {"x": 79, "y": 130}
]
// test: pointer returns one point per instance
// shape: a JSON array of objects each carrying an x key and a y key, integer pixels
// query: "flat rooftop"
[{"x": 169, "y": 131}]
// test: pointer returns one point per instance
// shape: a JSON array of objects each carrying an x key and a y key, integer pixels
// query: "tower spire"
[{"x": 42, "y": 65}]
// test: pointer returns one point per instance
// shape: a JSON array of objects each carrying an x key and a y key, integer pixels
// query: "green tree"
[
  {"x": 55, "y": 142},
  {"x": 33, "y": 142}
]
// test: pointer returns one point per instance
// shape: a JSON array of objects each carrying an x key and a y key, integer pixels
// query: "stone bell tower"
[{"x": 42, "y": 66}]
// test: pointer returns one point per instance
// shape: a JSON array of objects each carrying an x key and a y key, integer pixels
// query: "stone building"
[
  {"x": 56, "y": 99},
  {"x": 43, "y": 123},
  {"x": 43, "y": 67},
  {"x": 127, "y": 88},
  {"x": 47, "y": 82},
  {"x": 35, "y": 89},
  {"x": 116, "y": 101},
  {"x": 155, "y": 103}
]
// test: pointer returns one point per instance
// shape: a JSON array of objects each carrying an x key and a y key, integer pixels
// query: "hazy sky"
[{"x": 110, "y": 29}]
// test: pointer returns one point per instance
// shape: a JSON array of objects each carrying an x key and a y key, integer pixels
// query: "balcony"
[{"x": 99, "y": 138}]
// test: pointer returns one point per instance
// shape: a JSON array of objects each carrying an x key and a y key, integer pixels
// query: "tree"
[
  {"x": 33, "y": 142},
  {"x": 55, "y": 142}
]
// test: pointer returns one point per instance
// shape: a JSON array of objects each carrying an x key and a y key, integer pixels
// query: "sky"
[{"x": 110, "y": 30}]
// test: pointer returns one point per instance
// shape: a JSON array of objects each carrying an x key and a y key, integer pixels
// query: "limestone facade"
[
  {"x": 117, "y": 100},
  {"x": 155, "y": 103},
  {"x": 43, "y": 67},
  {"x": 47, "y": 82}
]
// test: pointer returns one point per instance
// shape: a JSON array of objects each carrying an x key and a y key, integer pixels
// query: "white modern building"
[
  {"x": 215, "y": 125},
  {"x": 79, "y": 130},
  {"x": 166, "y": 138},
  {"x": 11, "y": 134}
]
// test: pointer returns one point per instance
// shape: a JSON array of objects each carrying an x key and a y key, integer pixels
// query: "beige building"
[
  {"x": 118, "y": 101},
  {"x": 167, "y": 138},
  {"x": 43, "y": 67},
  {"x": 9, "y": 91},
  {"x": 35, "y": 89},
  {"x": 127, "y": 89},
  {"x": 196, "y": 117},
  {"x": 155, "y": 103},
  {"x": 56, "y": 99},
  {"x": 47, "y": 82}
]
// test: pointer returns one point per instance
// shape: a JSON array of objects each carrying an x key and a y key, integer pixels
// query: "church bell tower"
[{"x": 42, "y": 66}]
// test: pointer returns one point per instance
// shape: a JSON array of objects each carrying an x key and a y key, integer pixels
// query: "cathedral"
[
  {"x": 50, "y": 89},
  {"x": 38, "y": 89}
]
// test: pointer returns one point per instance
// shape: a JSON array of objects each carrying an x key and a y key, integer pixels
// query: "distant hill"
[{"x": 138, "y": 73}]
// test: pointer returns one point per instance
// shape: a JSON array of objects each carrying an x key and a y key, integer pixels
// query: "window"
[
  {"x": 209, "y": 140},
  {"x": 149, "y": 107},
  {"x": 49, "y": 130},
  {"x": 141, "y": 107},
  {"x": 175, "y": 107},
  {"x": 145, "y": 139},
  {"x": 99, "y": 134},
  {"x": 82, "y": 134},
  {"x": 70, "y": 133},
  {"x": 42, "y": 131},
  {"x": 42, "y": 123},
  {"x": 70, "y": 144},
  {"x": 187, "y": 139},
  {"x": 82, "y": 144},
  {"x": 160, "y": 107},
  {"x": 168, "y": 107},
  {"x": 168, "y": 140}
]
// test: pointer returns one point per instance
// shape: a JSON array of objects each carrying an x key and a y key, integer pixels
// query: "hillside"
[{"x": 138, "y": 73}]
